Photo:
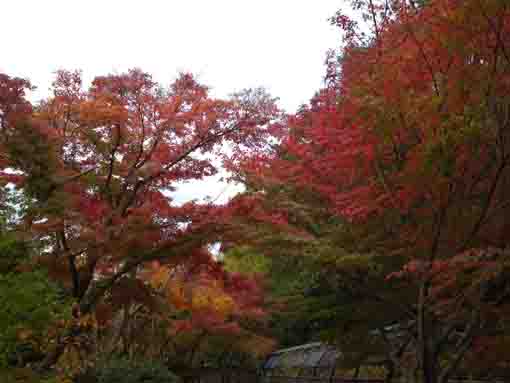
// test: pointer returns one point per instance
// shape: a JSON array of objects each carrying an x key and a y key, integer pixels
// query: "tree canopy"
[{"x": 375, "y": 217}]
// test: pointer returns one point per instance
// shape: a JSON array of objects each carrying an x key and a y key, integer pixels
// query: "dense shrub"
[
  {"x": 30, "y": 302},
  {"x": 122, "y": 370}
]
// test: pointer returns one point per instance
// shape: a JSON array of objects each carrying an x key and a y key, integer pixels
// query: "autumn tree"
[
  {"x": 408, "y": 144},
  {"x": 322, "y": 284},
  {"x": 98, "y": 167},
  {"x": 218, "y": 312}
]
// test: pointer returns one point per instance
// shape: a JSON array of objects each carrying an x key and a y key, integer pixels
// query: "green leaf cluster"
[{"x": 30, "y": 302}]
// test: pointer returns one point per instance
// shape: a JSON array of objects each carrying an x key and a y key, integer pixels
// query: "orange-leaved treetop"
[
  {"x": 97, "y": 167},
  {"x": 220, "y": 305}
]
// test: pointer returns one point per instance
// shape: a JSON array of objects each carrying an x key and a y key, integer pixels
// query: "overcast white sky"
[{"x": 229, "y": 44}]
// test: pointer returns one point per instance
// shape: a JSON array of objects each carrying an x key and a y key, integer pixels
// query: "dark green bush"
[
  {"x": 122, "y": 370},
  {"x": 29, "y": 301}
]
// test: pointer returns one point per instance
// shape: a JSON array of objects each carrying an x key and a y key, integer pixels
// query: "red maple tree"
[
  {"x": 98, "y": 166},
  {"x": 410, "y": 140}
]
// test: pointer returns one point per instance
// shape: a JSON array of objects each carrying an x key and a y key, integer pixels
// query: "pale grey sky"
[{"x": 229, "y": 44}]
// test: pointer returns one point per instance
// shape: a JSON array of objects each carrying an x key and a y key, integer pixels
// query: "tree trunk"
[
  {"x": 426, "y": 355},
  {"x": 356, "y": 372},
  {"x": 391, "y": 372},
  {"x": 429, "y": 371}
]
